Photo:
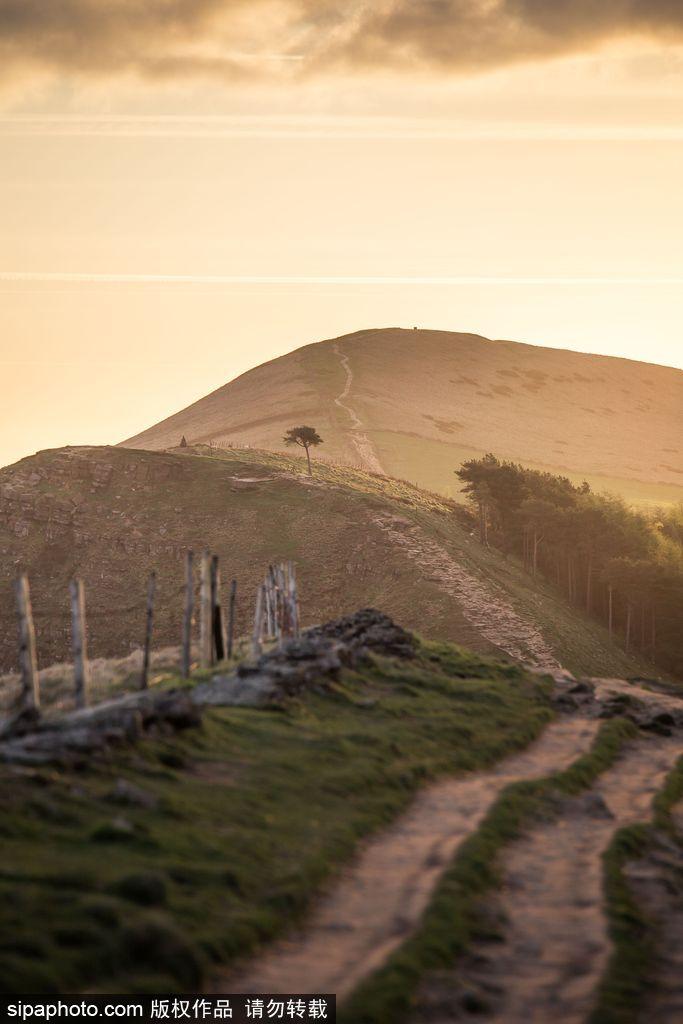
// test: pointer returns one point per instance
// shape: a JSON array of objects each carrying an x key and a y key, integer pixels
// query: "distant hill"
[
  {"x": 111, "y": 515},
  {"x": 414, "y": 404}
]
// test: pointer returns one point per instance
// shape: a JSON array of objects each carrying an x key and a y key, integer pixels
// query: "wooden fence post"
[
  {"x": 293, "y": 598},
  {"x": 30, "y": 686},
  {"x": 258, "y": 621},
  {"x": 149, "y": 623},
  {"x": 80, "y": 643},
  {"x": 218, "y": 645},
  {"x": 189, "y": 611},
  {"x": 231, "y": 617},
  {"x": 270, "y": 614},
  {"x": 205, "y": 627}
]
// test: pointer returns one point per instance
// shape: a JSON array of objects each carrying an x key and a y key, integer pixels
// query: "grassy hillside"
[
  {"x": 111, "y": 515},
  {"x": 413, "y": 404},
  {"x": 143, "y": 872}
]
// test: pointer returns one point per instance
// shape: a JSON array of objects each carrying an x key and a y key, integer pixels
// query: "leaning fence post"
[
  {"x": 258, "y": 621},
  {"x": 205, "y": 630},
  {"x": 149, "y": 623},
  {"x": 189, "y": 611},
  {"x": 80, "y": 643},
  {"x": 231, "y": 617},
  {"x": 30, "y": 686}
]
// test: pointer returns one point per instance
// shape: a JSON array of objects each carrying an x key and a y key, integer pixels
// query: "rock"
[
  {"x": 20, "y": 723},
  {"x": 368, "y": 630},
  {"x": 127, "y": 793},
  {"x": 312, "y": 660},
  {"x": 309, "y": 662}
]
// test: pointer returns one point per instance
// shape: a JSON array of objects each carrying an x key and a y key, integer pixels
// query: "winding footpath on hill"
[
  {"x": 554, "y": 946},
  {"x": 488, "y": 611},
  {"x": 553, "y": 943},
  {"x": 381, "y": 896},
  {"x": 359, "y": 439}
]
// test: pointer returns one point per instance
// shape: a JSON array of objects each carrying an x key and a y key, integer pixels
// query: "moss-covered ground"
[{"x": 234, "y": 826}]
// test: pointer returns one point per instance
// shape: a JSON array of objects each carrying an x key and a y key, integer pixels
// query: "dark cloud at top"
[
  {"x": 461, "y": 34},
  {"x": 171, "y": 38}
]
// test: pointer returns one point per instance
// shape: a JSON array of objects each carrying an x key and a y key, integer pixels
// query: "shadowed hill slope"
[
  {"x": 111, "y": 515},
  {"x": 414, "y": 404}
]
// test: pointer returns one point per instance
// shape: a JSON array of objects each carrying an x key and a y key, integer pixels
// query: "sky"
[{"x": 191, "y": 187}]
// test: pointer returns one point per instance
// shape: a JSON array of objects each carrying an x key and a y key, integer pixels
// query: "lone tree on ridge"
[
  {"x": 306, "y": 438},
  {"x": 183, "y": 442}
]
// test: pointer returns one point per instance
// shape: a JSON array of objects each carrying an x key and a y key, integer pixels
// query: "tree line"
[{"x": 622, "y": 566}]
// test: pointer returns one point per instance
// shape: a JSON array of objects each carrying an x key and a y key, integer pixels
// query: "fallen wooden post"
[
  {"x": 30, "y": 686},
  {"x": 149, "y": 623},
  {"x": 189, "y": 612},
  {"x": 80, "y": 643},
  {"x": 231, "y": 617}
]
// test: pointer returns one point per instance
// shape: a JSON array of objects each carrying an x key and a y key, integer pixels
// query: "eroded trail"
[
  {"x": 360, "y": 440},
  {"x": 381, "y": 896},
  {"x": 555, "y": 944},
  {"x": 489, "y": 612}
]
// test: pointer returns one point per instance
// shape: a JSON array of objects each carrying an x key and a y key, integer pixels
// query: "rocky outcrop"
[
  {"x": 307, "y": 662},
  {"x": 74, "y": 738},
  {"x": 652, "y": 710}
]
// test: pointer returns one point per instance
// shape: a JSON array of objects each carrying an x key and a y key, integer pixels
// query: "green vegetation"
[
  {"x": 631, "y": 973},
  {"x": 182, "y": 852},
  {"x": 582, "y": 645},
  {"x": 140, "y": 511},
  {"x": 306, "y": 438},
  {"x": 453, "y": 919},
  {"x": 429, "y": 463},
  {"x": 621, "y": 566}
]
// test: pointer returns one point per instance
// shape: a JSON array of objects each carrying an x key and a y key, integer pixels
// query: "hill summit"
[{"x": 414, "y": 403}]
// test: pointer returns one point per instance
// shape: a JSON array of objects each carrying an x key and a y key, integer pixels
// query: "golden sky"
[{"x": 190, "y": 188}]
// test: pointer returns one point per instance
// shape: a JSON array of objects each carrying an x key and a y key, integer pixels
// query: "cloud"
[
  {"x": 153, "y": 38},
  {"x": 470, "y": 34},
  {"x": 228, "y": 39}
]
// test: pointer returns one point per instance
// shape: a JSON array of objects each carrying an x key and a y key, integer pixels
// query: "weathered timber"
[
  {"x": 231, "y": 617},
  {"x": 205, "y": 626},
  {"x": 80, "y": 643},
  {"x": 149, "y": 625},
  {"x": 28, "y": 662},
  {"x": 257, "y": 633},
  {"x": 214, "y": 612},
  {"x": 188, "y": 615}
]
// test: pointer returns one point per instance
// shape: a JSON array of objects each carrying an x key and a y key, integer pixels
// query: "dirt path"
[
  {"x": 380, "y": 897},
  {"x": 488, "y": 612},
  {"x": 359, "y": 439},
  {"x": 555, "y": 945}
]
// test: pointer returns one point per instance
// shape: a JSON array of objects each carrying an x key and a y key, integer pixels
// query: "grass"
[
  {"x": 453, "y": 919},
  {"x": 432, "y": 463},
  {"x": 631, "y": 972},
  {"x": 140, "y": 511},
  {"x": 232, "y": 828},
  {"x": 581, "y": 643}
]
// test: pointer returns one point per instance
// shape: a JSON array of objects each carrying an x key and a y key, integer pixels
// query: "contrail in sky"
[{"x": 11, "y": 276}]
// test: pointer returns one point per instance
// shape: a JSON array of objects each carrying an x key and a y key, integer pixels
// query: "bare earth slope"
[
  {"x": 111, "y": 515},
  {"x": 414, "y": 403}
]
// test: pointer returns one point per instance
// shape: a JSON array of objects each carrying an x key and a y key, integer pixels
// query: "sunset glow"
[{"x": 178, "y": 220}]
